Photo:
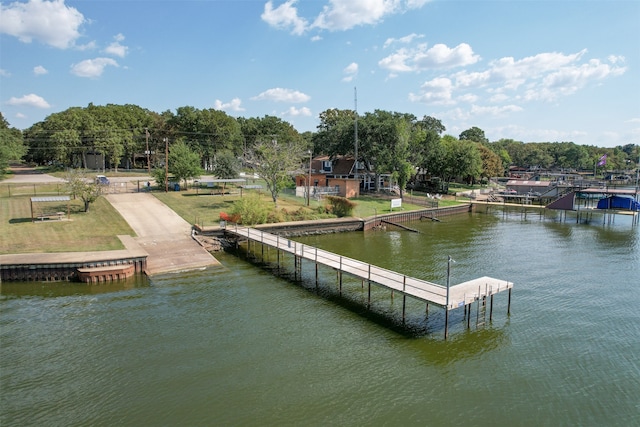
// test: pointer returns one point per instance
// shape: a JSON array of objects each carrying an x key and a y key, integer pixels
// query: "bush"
[
  {"x": 250, "y": 210},
  {"x": 341, "y": 206}
]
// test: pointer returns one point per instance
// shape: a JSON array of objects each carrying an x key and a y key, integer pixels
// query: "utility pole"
[
  {"x": 166, "y": 165},
  {"x": 146, "y": 131},
  {"x": 309, "y": 179},
  {"x": 355, "y": 102}
]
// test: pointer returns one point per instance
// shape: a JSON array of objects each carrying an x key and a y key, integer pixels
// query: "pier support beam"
[
  {"x": 404, "y": 307},
  {"x": 491, "y": 309}
]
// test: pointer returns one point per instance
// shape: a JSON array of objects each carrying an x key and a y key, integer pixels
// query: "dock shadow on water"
[{"x": 379, "y": 305}]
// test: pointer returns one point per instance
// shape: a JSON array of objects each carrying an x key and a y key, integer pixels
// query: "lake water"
[{"x": 239, "y": 346}]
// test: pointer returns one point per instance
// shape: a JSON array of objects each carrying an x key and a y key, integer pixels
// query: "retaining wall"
[{"x": 338, "y": 225}]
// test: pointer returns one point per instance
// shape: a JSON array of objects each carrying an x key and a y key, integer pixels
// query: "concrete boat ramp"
[{"x": 162, "y": 233}]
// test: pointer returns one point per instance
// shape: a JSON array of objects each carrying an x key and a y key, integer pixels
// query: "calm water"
[{"x": 239, "y": 346}]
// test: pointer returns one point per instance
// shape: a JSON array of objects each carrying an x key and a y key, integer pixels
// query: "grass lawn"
[
  {"x": 204, "y": 209},
  {"x": 96, "y": 230}
]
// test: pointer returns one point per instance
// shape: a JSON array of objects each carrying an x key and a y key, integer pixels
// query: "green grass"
[
  {"x": 96, "y": 230},
  {"x": 204, "y": 209}
]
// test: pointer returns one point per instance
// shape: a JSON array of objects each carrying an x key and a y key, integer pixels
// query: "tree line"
[{"x": 383, "y": 141}]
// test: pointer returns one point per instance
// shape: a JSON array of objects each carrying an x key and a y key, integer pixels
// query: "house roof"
[
  {"x": 51, "y": 199},
  {"x": 343, "y": 166}
]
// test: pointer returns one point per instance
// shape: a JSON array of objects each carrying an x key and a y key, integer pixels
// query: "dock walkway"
[{"x": 447, "y": 297}]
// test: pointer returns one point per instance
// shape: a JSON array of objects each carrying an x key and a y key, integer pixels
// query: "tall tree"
[
  {"x": 184, "y": 163},
  {"x": 462, "y": 159},
  {"x": 11, "y": 145},
  {"x": 207, "y": 132},
  {"x": 274, "y": 150},
  {"x": 276, "y": 162},
  {"x": 491, "y": 162},
  {"x": 80, "y": 186},
  {"x": 336, "y": 133},
  {"x": 473, "y": 134},
  {"x": 429, "y": 123},
  {"x": 226, "y": 166}
]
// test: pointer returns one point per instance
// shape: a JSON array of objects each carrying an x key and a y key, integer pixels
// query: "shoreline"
[{"x": 61, "y": 266}]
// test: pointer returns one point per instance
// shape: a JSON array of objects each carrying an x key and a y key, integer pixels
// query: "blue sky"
[{"x": 532, "y": 71}]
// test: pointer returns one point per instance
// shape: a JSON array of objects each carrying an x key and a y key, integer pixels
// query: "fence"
[{"x": 60, "y": 188}]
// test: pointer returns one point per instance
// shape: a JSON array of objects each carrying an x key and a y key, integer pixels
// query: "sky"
[{"x": 532, "y": 71}]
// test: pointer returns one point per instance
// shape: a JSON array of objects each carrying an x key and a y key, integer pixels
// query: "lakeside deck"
[{"x": 447, "y": 297}]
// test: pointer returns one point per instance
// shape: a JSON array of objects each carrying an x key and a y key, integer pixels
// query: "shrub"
[
  {"x": 341, "y": 206},
  {"x": 250, "y": 210}
]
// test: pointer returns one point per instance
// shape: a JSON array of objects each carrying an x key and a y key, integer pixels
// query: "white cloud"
[
  {"x": 570, "y": 79},
  {"x": 234, "y": 105},
  {"x": 337, "y": 15},
  {"x": 4, "y": 73},
  {"x": 436, "y": 91},
  {"x": 520, "y": 133},
  {"x": 87, "y": 46},
  {"x": 279, "y": 94},
  {"x": 423, "y": 58},
  {"x": 541, "y": 77},
  {"x": 404, "y": 40},
  {"x": 284, "y": 17},
  {"x": 50, "y": 22},
  {"x": 31, "y": 100},
  {"x": 416, "y": 4},
  {"x": 614, "y": 59},
  {"x": 498, "y": 98},
  {"x": 316, "y": 38},
  {"x": 116, "y": 48},
  {"x": 342, "y": 15},
  {"x": 20, "y": 116},
  {"x": 468, "y": 98},
  {"x": 39, "y": 70},
  {"x": 477, "y": 110},
  {"x": 295, "y": 112},
  {"x": 350, "y": 72},
  {"x": 92, "y": 67}
]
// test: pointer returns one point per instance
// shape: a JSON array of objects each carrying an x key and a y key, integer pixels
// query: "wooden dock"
[{"x": 447, "y": 297}]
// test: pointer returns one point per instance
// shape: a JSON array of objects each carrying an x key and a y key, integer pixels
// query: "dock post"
[
  {"x": 478, "y": 308},
  {"x": 491, "y": 309},
  {"x": 509, "y": 304},
  {"x": 468, "y": 308},
  {"x": 404, "y": 307},
  {"x": 446, "y": 322},
  {"x": 446, "y": 309},
  {"x": 340, "y": 275}
]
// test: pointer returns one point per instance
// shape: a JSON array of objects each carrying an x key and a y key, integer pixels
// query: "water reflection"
[
  {"x": 63, "y": 289},
  {"x": 460, "y": 346}
]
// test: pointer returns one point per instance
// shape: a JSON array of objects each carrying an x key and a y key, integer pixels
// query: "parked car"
[{"x": 102, "y": 180}]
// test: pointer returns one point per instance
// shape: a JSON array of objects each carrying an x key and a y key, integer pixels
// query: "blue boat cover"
[{"x": 619, "y": 202}]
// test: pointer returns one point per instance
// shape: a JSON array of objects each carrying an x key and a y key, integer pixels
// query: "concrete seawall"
[
  {"x": 91, "y": 267},
  {"x": 339, "y": 225}
]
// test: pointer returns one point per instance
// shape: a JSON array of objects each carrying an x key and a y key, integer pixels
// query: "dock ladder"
[{"x": 481, "y": 309}]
